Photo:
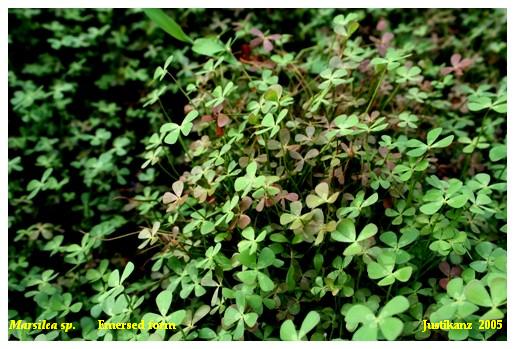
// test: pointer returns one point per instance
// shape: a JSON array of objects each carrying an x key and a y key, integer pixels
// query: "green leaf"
[
  {"x": 431, "y": 207},
  {"x": 345, "y": 231},
  {"x": 367, "y": 332},
  {"x": 359, "y": 313},
  {"x": 313, "y": 201},
  {"x": 114, "y": 279},
  {"x": 352, "y": 249},
  {"x": 500, "y": 108},
  {"x": 247, "y": 277},
  {"x": 250, "y": 319},
  {"x": 476, "y": 293},
  {"x": 248, "y": 233},
  {"x": 127, "y": 271},
  {"x": 268, "y": 120},
  {"x": 458, "y": 201},
  {"x": 443, "y": 142},
  {"x": 395, "y": 306},
  {"x": 376, "y": 270},
  {"x": 166, "y": 23},
  {"x": 286, "y": 218},
  {"x": 163, "y": 301},
  {"x": 266, "y": 258},
  {"x": 433, "y": 135},
  {"x": 497, "y": 153},
  {"x": 372, "y": 199},
  {"x": 309, "y": 323},
  {"x": 389, "y": 238},
  {"x": 168, "y": 61},
  {"x": 265, "y": 282},
  {"x": 493, "y": 314},
  {"x": 192, "y": 115},
  {"x": 407, "y": 237},
  {"x": 231, "y": 316},
  {"x": 273, "y": 93},
  {"x": 322, "y": 190},
  {"x": 388, "y": 280},
  {"x": 207, "y": 227},
  {"x": 417, "y": 151},
  {"x": 241, "y": 183},
  {"x": 391, "y": 328},
  {"x": 368, "y": 231},
  {"x": 173, "y": 136},
  {"x": 287, "y": 331},
  {"x": 403, "y": 274},
  {"x": 177, "y": 317},
  {"x": 208, "y": 46},
  {"x": 46, "y": 174},
  {"x": 479, "y": 103},
  {"x": 498, "y": 289}
]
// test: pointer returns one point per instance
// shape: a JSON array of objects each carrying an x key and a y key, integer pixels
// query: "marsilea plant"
[{"x": 344, "y": 181}]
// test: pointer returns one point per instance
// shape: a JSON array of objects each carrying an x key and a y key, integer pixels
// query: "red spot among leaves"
[
  {"x": 450, "y": 272},
  {"x": 246, "y": 50},
  {"x": 387, "y": 202},
  {"x": 219, "y": 131}
]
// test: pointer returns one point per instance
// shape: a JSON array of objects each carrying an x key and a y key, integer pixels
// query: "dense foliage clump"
[{"x": 339, "y": 177}]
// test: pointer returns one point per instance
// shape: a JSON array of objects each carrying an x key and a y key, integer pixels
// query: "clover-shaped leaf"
[
  {"x": 476, "y": 293},
  {"x": 346, "y": 25},
  {"x": 411, "y": 75},
  {"x": 322, "y": 196},
  {"x": 344, "y": 124},
  {"x": 357, "y": 205},
  {"x": 346, "y": 232},
  {"x": 163, "y": 301},
  {"x": 421, "y": 148},
  {"x": 237, "y": 313},
  {"x": 294, "y": 218},
  {"x": 271, "y": 124},
  {"x": 407, "y": 120},
  {"x": 173, "y": 130},
  {"x": 498, "y": 152},
  {"x": 332, "y": 78},
  {"x": 176, "y": 198},
  {"x": 481, "y": 102},
  {"x": 384, "y": 323},
  {"x": 249, "y": 181},
  {"x": 455, "y": 306},
  {"x": 289, "y": 333},
  {"x": 494, "y": 258},
  {"x": 115, "y": 279},
  {"x": 391, "y": 60},
  {"x": 451, "y": 195},
  {"x": 254, "y": 275},
  {"x": 383, "y": 269},
  {"x": 251, "y": 242},
  {"x": 149, "y": 235}
]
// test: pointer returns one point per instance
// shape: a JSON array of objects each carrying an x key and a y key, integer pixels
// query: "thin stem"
[
  {"x": 184, "y": 148},
  {"x": 359, "y": 276},
  {"x": 164, "y": 169},
  {"x": 120, "y": 237},
  {"x": 381, "y": 78},
  {"x": 466, "y": 165},
  {"x": 389, "y": 291},
  {"x": 179, "y": 86},
  {"x": 394, "y": 92},
  {"x": 302, "y": 80},
  {"x": 164, "y": 110}
]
